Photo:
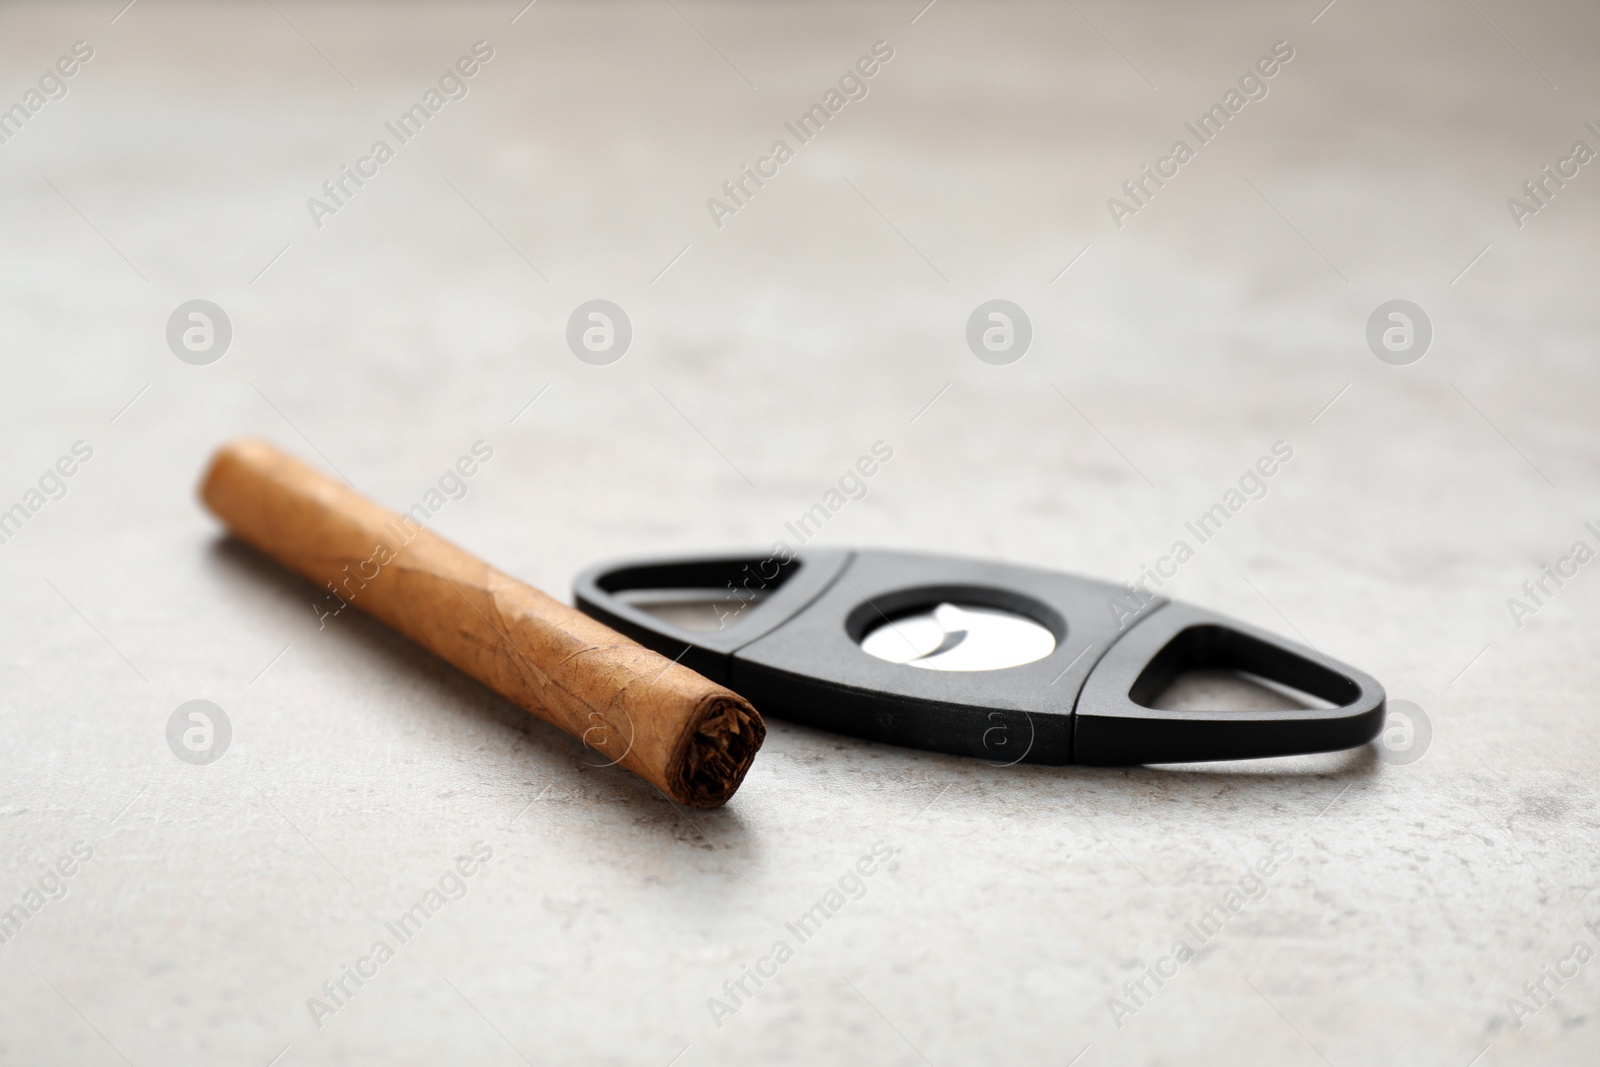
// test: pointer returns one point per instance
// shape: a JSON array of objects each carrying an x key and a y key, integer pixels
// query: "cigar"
[{"x": 689, "y": 737}]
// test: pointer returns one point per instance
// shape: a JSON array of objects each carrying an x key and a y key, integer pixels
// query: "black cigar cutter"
[{"x": 1006, "y": 663}]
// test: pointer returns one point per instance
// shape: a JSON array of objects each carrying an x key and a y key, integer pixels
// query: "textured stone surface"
[{"x": 824, "y": 316}]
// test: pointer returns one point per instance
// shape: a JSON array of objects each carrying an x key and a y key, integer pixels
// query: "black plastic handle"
[
  {"x": 795, "y": 652},
  {"x": 1115, "y": 725}
]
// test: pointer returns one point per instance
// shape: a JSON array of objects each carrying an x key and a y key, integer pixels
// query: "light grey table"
[{"x": 1014, "y": 920}]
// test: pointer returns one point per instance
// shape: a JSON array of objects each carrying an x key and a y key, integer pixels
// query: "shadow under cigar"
[{"x": 571, "y": 770}]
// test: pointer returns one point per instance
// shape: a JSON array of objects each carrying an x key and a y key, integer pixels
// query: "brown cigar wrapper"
[{"x": 689, "y": 737}]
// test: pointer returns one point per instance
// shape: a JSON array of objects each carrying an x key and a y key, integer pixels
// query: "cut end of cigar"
[{"x": 718, "y": 751}]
